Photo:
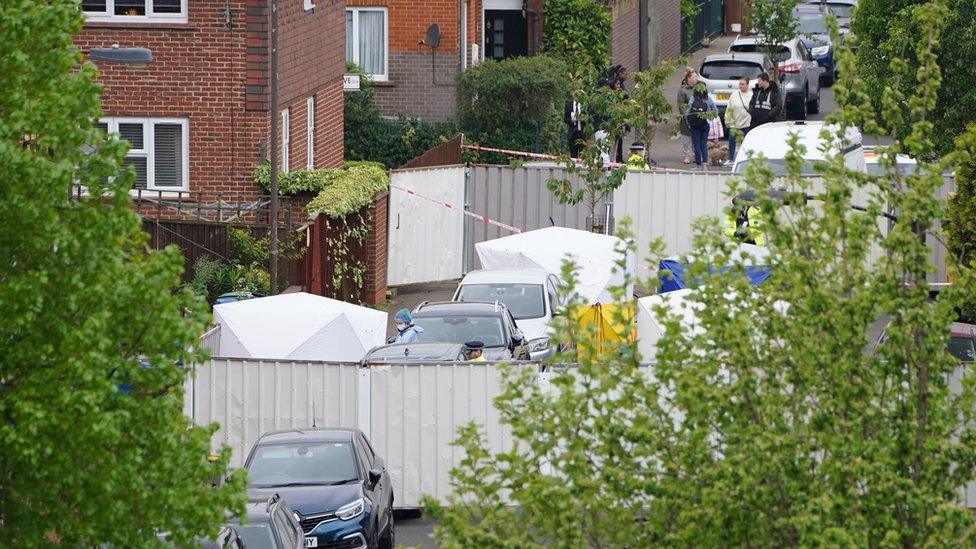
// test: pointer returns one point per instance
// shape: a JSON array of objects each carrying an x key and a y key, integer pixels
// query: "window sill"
[
  {"x": 384, "y": 83},
  {"x": 139, "y": 25}
]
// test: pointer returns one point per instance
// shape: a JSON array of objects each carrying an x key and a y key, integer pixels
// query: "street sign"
[{"x": 350, "y": 82}]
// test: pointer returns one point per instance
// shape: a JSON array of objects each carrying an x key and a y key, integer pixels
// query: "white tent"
[
  {"x": 650, "y": 331},
  {"x": 547, "y": 248},
  {"x": 298, "y": 326}
]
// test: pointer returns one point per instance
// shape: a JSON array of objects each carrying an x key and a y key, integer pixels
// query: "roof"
[
  {"x": 415, "y": 352},
  {"x": 307, "y": 435},
  {"x": 524, "y": 276},
  {"x": 757, "y": 58},
  {"x": 459, "y": 308},
  {"x": 772, "y": 139}
]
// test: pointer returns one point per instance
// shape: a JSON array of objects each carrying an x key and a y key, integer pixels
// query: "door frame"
[{"x": 496, "y": 5}]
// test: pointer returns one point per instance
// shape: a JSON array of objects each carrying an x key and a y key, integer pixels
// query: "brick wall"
[
  {"x": 735, "y": 12},
  {"x": 625, "y": 44},
  {"x": 412, "y": 90},
  {"x": 212, "y": 76},
  {"x": 669, "y": 14}
]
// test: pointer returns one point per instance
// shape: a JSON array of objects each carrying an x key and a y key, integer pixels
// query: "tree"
[
  {"x": 774, "y": 20},
  {"x": 886, "y": 31},
  {"x": 771, "y": 417},
  {"x": 94, "y": 447},
  {"x": 578, "y": 32},
  {"x": 960, "y": 224}
]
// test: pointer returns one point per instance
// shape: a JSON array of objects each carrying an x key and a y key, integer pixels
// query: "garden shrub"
[{"x": 578, "y": 32}]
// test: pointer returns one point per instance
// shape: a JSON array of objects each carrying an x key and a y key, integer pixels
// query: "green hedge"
[
  {"x": 516, "y": 103},
  {"x": 340, "y": 191},
  {"x": 578, "y": 31}
]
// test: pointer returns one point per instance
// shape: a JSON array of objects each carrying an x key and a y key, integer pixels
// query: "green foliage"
[
  {"x": 246, "y": 270},
  {"x": 773, "y": 19},
  {"x": 772, "y": 419},
  {"x": 887, "y": 33},
  {"x": 646, "y": 108},
  {"x": 578, "y": 32},
  {"x": 369, "y": 136},
  {"x": 354, "y": 189},
  {"x": 515, "y": 104},
  {"x": 86, "y": 305},
  {"x": 960, "y": 222},
  {"x": 689, "y": 12}
]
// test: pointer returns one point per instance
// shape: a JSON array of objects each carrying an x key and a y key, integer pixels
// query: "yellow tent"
[{"x": 615, "y": 323}]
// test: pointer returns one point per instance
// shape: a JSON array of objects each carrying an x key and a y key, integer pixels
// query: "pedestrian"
[
  {"x": 700, "y": 110},
  {"x": 637, "y": 160},
  {"x": 573, "y": 117},
  {"x": 766, "y": 104},
  {"x": 685, "y": 94},
  {"x": 406, "y": 331},
  {"x": 474, "y": 350},
  {"x": 620, "y": 74},
  {"x": 737, "y": 115}
]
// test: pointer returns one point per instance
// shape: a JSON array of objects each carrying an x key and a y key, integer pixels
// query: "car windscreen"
[
  {"x": 461, "y": 329},
  {"x": 730, "y": 70},
  {"x": 778, "y": 165},
  {"x": 962, "y": 348},
  {"x": 256, "y": 535},
  {"x": 778, "y": 53},
  {"x": 305, "y": 463},
  {"x": 812, "y": 24},
  {"x": 524, "y": 300}
]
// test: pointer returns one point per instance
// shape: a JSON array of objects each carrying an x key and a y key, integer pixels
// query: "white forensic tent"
[
  {"x": 650, "y": 331},
  {"x": 594, "y": 255},
  {"x": 298, "y": 326}
]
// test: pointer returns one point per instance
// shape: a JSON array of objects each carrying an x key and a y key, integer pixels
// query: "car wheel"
[
  {"x": 388, "y": 541},
  {"x": 813, "y": 106}
]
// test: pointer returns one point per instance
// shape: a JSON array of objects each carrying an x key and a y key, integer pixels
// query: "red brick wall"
[
  {"x": 625, "y": 43},
  {"x": 200, "y": 72},
  {"x": 669, "y": 12},
  {"x": 408, "y": 21}
]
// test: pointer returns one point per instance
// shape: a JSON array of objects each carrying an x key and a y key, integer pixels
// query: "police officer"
[
  {"x": 475, "y": 351},
  {"x": 744, "y": 223}
]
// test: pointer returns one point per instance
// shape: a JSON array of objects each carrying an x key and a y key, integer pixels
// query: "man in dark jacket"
[
  {"x": 767, "y": 101},
  {"x": 573, "y": 117}
]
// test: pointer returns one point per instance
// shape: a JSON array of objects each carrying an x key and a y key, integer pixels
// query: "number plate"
[
  {"x": 311, "y": 542},
  {"x": 722, "y": 96}
]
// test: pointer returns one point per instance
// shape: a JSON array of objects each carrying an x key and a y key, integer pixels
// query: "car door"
[
  {"x": 377, "y": 494},
  {"x": 385, "y": 481},
  {"x": 286, "y": 528},
  {"x": 811, "y": 70},
  {"x": 520, "y": 351}
]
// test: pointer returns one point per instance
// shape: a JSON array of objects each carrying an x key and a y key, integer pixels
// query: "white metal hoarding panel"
[
  {"x": 416, "y": 412},
  {"x": 249, "y": 398},
  {"x": 426, "y": 238}
]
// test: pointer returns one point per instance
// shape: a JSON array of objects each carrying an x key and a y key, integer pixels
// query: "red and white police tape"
[
  {"x": 482, "y": 218},
  {"x": 540, "y": 156}
]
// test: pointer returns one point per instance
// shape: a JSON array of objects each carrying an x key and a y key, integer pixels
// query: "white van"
[
  {"x": 530, "y": 294},
  {"x": 772, "y": 141}
]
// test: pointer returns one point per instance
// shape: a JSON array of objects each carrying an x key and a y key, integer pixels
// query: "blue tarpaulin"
[{"x": 676, "y": 280}]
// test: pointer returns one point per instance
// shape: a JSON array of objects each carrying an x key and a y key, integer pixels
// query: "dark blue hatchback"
[{"x": 333, "y": 480}]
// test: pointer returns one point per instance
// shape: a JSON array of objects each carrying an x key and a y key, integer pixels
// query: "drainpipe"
[
  {"x": 463, "y": 34},
  {"x": 643, "y": 61},
  {"x": 464, "y": 226}
]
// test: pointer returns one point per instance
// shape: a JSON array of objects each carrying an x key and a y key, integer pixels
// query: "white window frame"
[
  {"x": 310, "y": 133},
  {"x": 150, "y": 17},
  {"x": 386, "y": 40},
  {"x": 285, "y": 139},
  {"x": 148, "y": 144}
]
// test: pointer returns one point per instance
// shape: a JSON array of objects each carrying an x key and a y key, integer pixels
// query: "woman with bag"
[
  {"x": 737, "y": 115},
  {"x": 700, "y": 113}
]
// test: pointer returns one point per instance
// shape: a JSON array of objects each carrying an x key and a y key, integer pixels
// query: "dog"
[{"x": 718, "y": 154}]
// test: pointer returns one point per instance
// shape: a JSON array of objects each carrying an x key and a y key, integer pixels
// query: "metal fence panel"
[
  {"x": 425, "y": 238},
  {"x": 251, "y": 397},
  {"x": 415, "y": 413},
  {"x": 517, "y": 197}
]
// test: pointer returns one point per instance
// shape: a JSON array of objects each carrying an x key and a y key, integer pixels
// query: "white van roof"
[{"x": 772, "y": 139}]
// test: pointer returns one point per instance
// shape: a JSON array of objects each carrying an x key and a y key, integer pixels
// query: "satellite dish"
[{"x": 433, "y": 35}]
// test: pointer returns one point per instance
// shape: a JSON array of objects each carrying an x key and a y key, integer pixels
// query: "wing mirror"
[{"x": 374, "y": 478}]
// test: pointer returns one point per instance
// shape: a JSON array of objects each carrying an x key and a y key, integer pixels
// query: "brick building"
[
  {"x": 388, "y": 38},
  {"x": 197, "y": 117}
]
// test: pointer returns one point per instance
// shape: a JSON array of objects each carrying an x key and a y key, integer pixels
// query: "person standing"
[
  {"x": 620, "y": 74},
  {"x": 573, "y": 117},
  {"x": 406, "y": 331},
  {"x": 767, "y": 102},
  {"x": 685, "y": 94},
  {"x": 637, "y": 160},
  {"x": 700, "y": 111},
  {"x": 474, "y": 351},
  {"x": 737, "y": 115}
]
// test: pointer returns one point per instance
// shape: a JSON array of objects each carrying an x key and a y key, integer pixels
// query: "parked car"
[
  {"x": 720, "y": 72},
  {"x": 842, "y": 9},
  {"x": 416, "y": 352},
  {"x": 226, "y": 538},
  {"x": 903, "y": 163},
  {"x": 799, "y": 74},
  {"x": 530, "y": 294},
  {"x": 270, "y": 524},
  {"x": 339, "y": 488},
  {"x": 815, "y": 36},
  {"x": 490, "y": 323},
  {"x": 772, "y": 141},
  {"x": 962, "y": 342}
]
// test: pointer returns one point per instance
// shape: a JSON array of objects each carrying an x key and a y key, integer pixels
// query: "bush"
[
  {"x": 578, "y": 31},
  {"x": 369, "y": 136},
  {"x": 351, "y": 191},
  {"x": 312, "y": 181},
  {"x": 514, "y": 104}
]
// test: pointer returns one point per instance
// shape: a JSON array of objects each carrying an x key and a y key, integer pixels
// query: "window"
[
  {"x": 524, "y": 300},
  {"x": 285, "y": 140},
  {"x": 730, "y": 70},
  {"x": 161, "y": 11},
  {"x": 310, "y": 133},
  {"x": 366, "y": 38},
  {"x": 158, "y": 150}
]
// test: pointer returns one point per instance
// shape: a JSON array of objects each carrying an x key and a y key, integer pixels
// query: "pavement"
[{"x": 415, "y": 532}]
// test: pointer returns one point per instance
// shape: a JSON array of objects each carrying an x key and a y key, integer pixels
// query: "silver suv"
[
  {"x": 721, "y": 72},
  {"x": 799, "y": 73}
]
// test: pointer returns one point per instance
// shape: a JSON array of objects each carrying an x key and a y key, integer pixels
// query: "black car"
[
  {"x": 812, "y": 23},
  {"x": 461, "y": 322},
  {"x": 270, "y": 524},
  {"x": 335, "y": 482}
]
